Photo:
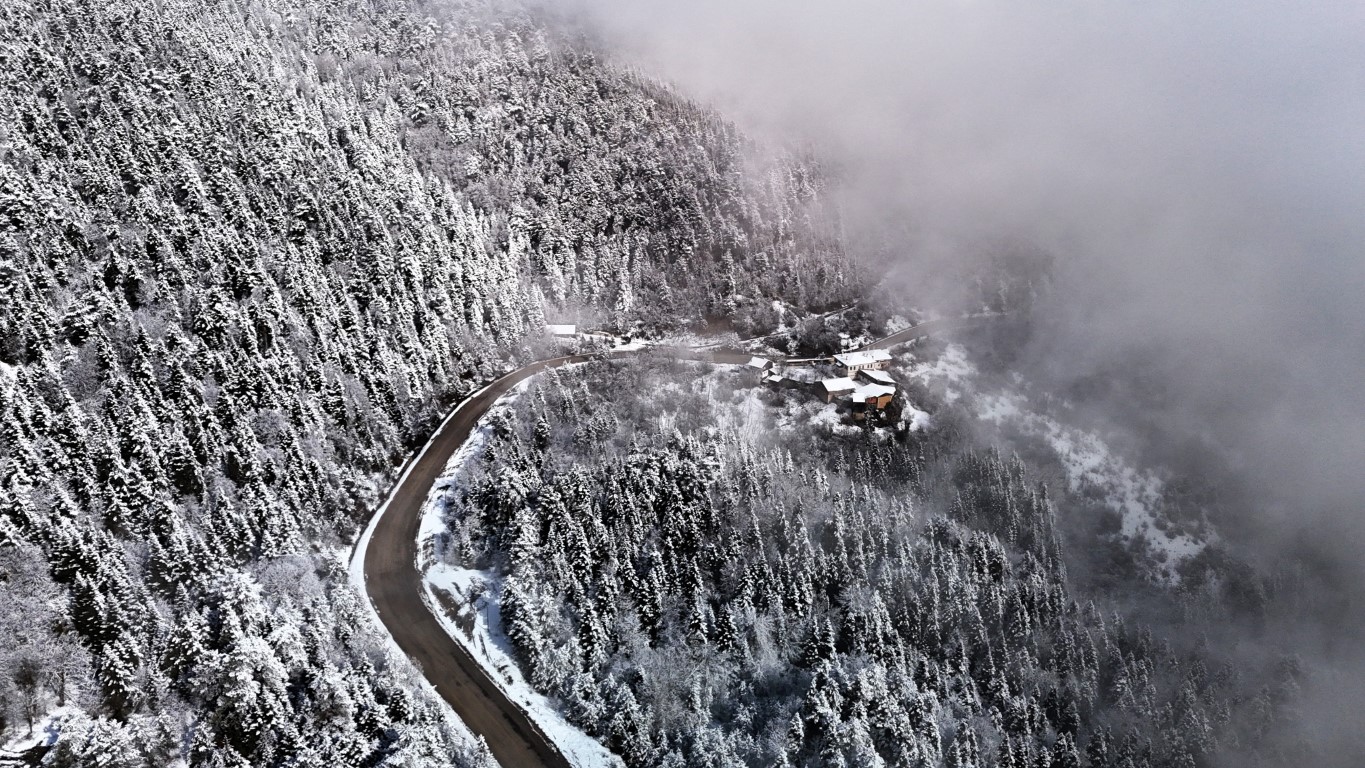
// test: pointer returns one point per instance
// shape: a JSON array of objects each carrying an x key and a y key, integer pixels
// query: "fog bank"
[{"x": 1195, "y": 170}]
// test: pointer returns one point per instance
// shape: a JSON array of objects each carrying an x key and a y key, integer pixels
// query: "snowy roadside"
[
  {"x": 467, "y": 603},
  {"x": 357, "y": 577},
  {"x": 46, "y": 728}
]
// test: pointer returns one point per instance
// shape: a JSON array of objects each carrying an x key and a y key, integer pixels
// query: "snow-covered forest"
[
  {"x": 696, "y": 592},
  {"x": 248, "y": 252},
  {"x": 253, "y": 251}
]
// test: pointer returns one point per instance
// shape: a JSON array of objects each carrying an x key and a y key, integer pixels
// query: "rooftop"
[
  {"x": 868, "y": 391},
  {"x": 879, "y": 377},
  {"x": 555, "y": 329},
  {"x": 843, "y": 384},
  {"x": 863, "y": 357},
  {"x": 759, "y": 362}
]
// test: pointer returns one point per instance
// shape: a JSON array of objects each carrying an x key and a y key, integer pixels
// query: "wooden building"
[{"x": 873, "y": 396}]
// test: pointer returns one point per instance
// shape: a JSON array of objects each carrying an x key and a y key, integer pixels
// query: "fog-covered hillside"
[{"x": 707, "y": 571}]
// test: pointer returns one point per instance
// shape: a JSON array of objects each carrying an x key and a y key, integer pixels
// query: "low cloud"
[{"x": 1193, "y": 168}]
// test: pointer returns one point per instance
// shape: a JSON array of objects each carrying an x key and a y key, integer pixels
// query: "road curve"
[
  {"x": 395, "y": 588},
  {"x": 928, "y": 327}
]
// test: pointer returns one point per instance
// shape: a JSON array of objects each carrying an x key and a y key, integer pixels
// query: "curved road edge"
[{"x": 384, "y": 568}]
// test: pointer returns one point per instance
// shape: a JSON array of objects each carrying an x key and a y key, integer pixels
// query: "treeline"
[
  {"x": 698, "y": 597},
  {"x": 248, "y": 250}
]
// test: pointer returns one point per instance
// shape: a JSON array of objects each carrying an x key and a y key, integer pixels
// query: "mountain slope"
[{"x": 248, "y": 251}]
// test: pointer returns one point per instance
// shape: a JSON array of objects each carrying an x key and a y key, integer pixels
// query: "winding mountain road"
[
  {"x": 395, "y": 588},
  {"x": 388, "y": 557}
]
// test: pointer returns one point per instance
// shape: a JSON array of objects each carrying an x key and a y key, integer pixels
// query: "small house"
[
  {"x": 562, "y": 331},
  {"x": 780, "y": 381},
  {"x": 833, "y": 388},
  {"x": 871, "y": 398},
  {"x": 759, "y": 364},
  {"x": 862, "y": 360},
  {"x": 876, "y": 376},
  {"x": 876, "y": 396}
]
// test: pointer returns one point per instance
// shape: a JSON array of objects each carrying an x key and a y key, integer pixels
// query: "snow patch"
[
  {"x": 46, "y": 729},
  {"x": 896, "y": 324},
  {"x": 828, "y": 416},
  {"x": 951, "y": 369},
  {"x": 952, "y": 366},
  {"x": 1091, "y": 467},
  {"x": 913, "y": 418},
  {"x": 999, "y": 408},
  {"x": 699, "y": 341},
  {"x": 468, "y": 605}
]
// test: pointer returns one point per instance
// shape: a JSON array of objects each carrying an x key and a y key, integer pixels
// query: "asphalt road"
[
  {"x": 395, "y": 586},
  {"x": 926, "y": 328}
]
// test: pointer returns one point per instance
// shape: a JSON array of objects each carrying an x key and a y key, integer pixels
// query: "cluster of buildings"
[{"x": 863, "y": 382}]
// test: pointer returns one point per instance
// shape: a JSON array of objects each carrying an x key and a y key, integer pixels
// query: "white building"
[
  {"x": 563, "y": 331},
  {"x": 865, "y": 359}
]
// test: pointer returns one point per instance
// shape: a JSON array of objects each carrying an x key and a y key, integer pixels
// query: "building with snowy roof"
[
  {"x": 832, "y": 388},
  {"x": 875, "y": 376},
  {"x": 865, "y": 359},
  {"x": 873, "y": 395}
]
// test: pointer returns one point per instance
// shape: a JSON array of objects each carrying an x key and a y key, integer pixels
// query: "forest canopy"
[{"x": 248, "y": 253}]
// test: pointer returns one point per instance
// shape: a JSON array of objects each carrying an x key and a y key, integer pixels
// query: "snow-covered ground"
[
  {"x": 913, "y": 418},
  {"x": 849, "y": 343},
  {"x": 897, "y": 323},
  {"x": 690, "y": 339},
  {"x": 477, "y": 625},
  {"x": 46, "y": 729},
  {"x": 1091, "y": 466},
  {"x": 952, "y": 369},
  {"x": 827, "y": 415}
]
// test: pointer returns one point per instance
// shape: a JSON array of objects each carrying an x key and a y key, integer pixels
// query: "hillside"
[
  {"x": 705, "y": 571},
  {"x": 248, "y": 251}
]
